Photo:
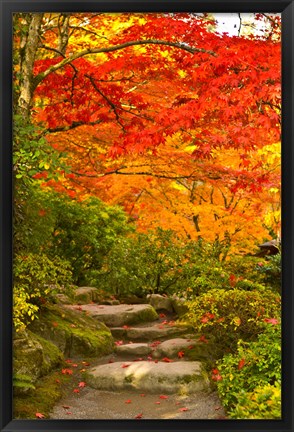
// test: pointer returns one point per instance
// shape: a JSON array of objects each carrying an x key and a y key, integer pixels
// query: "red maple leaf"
[
  {"x": 139, "y": 416},
  {"x": 128, "y": 401},
  {"x": 82, "y": 384},
  {"x": 39, "y": 415},
  {"x": 163, "y": 397},
  {"x": 67, "y": 371},
  {"x": 125, "y": 365},
  {"x": 183, "y": 409},
  {"x": 166, "y": 359},
  {"x": 181, "y": 354},
  {"x": 76, "y": 390},
  {"x": 241, "y": 363}
]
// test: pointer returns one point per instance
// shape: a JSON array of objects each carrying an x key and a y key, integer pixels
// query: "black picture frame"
[{"x": 7, "y": 423}]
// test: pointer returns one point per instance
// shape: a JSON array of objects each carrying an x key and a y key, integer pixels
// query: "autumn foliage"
[{"x": 164, "y": 116}]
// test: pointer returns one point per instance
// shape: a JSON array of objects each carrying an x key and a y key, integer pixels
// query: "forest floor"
[{"x": 87, "y": 402}]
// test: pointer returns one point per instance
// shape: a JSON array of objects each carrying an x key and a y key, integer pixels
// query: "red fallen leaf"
[
  {"x": 271, "y": 321},
  {"x": 181, "y": 354},
  {"x": 163, "y": 397},
  {"x": 203, "y": 339},
  {"x": 215, "y": 371},
  {"x": 65, "y": 406},
  {"x": 39, "y": 415},
  {"x": 57, "y": 381},
  {"x": 139, "y": 416},
  {"x": 171, "y": 323},
  {"x": 85, "y": 363},
  {"x": 55, "y": 324},
  {"x": 68, "y": 412},
  {"x": 162, "y": 315},
  {"x": 139, "y": 359},
  {"x": 178, "y": 403},
  {"x": 241, "y": 363},
  {"x": 166, "y": 359},
  {"x": 216, "y": 377},
  {"x": 74, "y": 365},
  {"x": 164, "y": 322},
  {"x": 128, "y": 401},
  {"x": 76, "y": 390},
  {"x": 157, "y": 402},
  {"x": 155, "y": 344},
  {"x": 110, "y": 361},
  {"x": 149, "y": 358},
  {"x": 68, "y": 361},
  {"x": 125, "y": 365},
  {"x": 67, "y": 371},
  {"x": 142, "y": 395},
  {"x": 79, "y": 308},
  {"x": 183, "y": 409},
  {"x": 120, "y": 342},
  {"x": 160, "y": 326},
  {"x": 126, "y": 327},
  {"x": 155, "y": 361},
  {"x": 82, "y": 384}
]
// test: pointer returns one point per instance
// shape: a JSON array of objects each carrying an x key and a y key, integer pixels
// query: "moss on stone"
[
  {"x": 73, "y": 332},
  {"x": 146, "y": 315},
  {"x": 48, "y": 391}
]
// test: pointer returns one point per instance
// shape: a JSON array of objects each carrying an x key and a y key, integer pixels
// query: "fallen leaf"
[
  {"x": 68, "y": 361},
  {"x": 157, "y": 402},
  {"x": 166, "y": 359},
  {"x": 126, "y": 327},
  {"x": 68, "y": 412},
  {"x": 120, "y": 342},
  {"x": 183, "y": 409},
  {"x": 181, "y": 354},
  {"x": 124, "y": 365},
  {"x": 82, "y": 370},
  {"x": 67, "y": 371},
  {"x": 55, "y": 324},
  {"x": 79, "y": 308},
  {"x": 57, "y": 381},
  {"x": 110, "y": 361},
  {"x": 142, "y": 395},
  {"x": 39, "y": 415},
  {"x": 85, "y": 363},
  {"x": 74, "y": 365},
  {"x": 163, "y": 397},
  {"x": 139, "y": 416},
  {"x": 203, "y": 339},
  {"x": 149, "y": 358},
  {"x": 128, "y": 401},
  {"x": 76, "y": 390},
  {"x": 241, "y": 364},
  {"x": 155, "y": 361},
  {"x": 155, "y": 344},
  {"x": 82, "y": 384},
  {"x": 217, "y": 408},
  {"x": 162, "y": 315}
]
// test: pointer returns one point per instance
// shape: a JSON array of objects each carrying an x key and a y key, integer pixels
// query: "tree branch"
[{"x": 90, "y": 51}]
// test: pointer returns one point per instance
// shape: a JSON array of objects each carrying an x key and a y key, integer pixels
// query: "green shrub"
[
  {"x": 271, "y": 271},
  {"x": 36, "y": 279},
  {"x": 249, "y": 381},
  {"x": 232, "y": 314}
]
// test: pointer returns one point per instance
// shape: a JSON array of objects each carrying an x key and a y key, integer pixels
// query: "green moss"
[
  {"x": 73, "y": 332},
  {"x": 48, "y": 391},
  {"x": 146, "y": 315}
]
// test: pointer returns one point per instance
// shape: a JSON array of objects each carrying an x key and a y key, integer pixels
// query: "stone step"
[
  {"x": 149, "y": 333},
  {"x": 182, "y": 377},
  {"x": 118, "y": 315},
  {"x": 171, "y": 348}
]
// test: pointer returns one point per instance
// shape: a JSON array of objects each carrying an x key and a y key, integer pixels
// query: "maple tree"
[{"x": 162, "y": 115}]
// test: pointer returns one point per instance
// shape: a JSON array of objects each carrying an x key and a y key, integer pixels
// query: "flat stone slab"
[
  {"x": 134, "y": 349},
  {"x": 148, "y": 376},
  {"x": 171, "y": 347},
  {"x": 118, "y": 315},
  {"x": 154, "y": 332}
]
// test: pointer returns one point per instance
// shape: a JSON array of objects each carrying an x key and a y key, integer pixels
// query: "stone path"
[{"x": 148, "y": 375}]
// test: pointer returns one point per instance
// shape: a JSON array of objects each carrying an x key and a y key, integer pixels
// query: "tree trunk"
[{"x": 28, "y": 54}]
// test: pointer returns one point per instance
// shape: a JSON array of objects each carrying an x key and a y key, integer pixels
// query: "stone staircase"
[{"x": 151, "y": 352}]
